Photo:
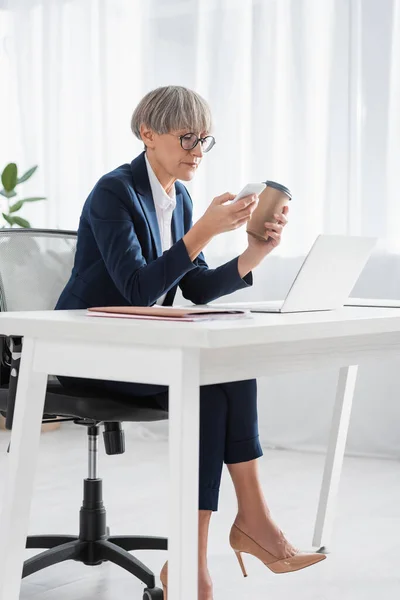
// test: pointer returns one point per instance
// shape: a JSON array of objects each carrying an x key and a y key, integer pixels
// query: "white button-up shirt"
[{"x": 164, "y": 204}]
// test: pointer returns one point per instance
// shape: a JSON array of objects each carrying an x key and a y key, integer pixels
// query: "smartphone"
[{"x": 249, "y": 190}]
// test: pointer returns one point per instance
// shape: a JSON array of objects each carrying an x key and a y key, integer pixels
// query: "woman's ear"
[{"x": 147, "y": 136}]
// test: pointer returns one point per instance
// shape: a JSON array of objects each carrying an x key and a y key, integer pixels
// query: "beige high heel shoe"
[
  {"x": 164, "y": 580},
  {"x": 241, "y": 542}
]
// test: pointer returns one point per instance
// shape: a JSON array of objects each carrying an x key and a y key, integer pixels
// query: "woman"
[{"x": 136, "y": 244}]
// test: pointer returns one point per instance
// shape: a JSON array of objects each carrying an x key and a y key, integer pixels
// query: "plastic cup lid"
[{"x": 279, "y": 186}]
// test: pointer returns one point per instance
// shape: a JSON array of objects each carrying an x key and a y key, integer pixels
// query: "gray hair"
[{"x": 172, "y": 108}]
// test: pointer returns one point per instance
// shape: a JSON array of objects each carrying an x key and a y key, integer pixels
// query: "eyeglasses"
[{"x": 189, "y": 141}]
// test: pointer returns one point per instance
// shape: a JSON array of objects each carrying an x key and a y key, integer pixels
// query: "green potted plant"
[{"x": 10, "y": 180}]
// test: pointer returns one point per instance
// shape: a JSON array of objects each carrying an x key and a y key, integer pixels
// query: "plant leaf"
[
  {"x": 10, "y": 220},
  {"x": 16, "y": 206},
  {"x": 27, "y": 175},
  {"x": 32, "y": 199},
  {"x": 9, "y": 177},
  {"x": 21, "y": 222},
  {"x": 8, "y": 194}
]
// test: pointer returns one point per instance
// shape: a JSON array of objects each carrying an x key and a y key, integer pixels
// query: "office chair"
[{"x": 34, "y": 267}]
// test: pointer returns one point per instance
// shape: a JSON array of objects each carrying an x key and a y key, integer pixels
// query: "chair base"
[{"x": 94, "y": 545}]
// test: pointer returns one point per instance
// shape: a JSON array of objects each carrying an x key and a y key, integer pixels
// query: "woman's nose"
[{"x": 198, "y": 150}]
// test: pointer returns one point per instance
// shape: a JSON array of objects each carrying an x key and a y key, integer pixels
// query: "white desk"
[{"x": 187, "y": 355}]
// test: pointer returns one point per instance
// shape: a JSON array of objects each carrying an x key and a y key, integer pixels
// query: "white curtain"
[
  {"x": 290, "y": 85},
  {"x": 304, "y": 92}
]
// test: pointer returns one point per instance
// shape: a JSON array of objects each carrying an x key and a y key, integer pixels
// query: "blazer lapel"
[
  {"x": 177, "y": 218},
  {"x": 142, "y": 186}
]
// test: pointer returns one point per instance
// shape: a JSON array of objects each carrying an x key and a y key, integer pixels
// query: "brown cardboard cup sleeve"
[{"x": 272, "y": 200}]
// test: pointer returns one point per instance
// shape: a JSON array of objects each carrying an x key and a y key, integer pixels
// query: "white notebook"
[{"x": 373, "y": 302}]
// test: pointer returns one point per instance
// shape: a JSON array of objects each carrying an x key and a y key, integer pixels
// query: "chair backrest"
[{"x": 35, "y": 265}]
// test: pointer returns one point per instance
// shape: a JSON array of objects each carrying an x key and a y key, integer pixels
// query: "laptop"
[{"x": 326, "y": 277}]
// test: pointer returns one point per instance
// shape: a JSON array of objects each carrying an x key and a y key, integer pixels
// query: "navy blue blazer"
[{"x": 119, "y": 260}]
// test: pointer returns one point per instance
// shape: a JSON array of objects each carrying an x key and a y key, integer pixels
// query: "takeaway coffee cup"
[{"x": 271, "y": 201}]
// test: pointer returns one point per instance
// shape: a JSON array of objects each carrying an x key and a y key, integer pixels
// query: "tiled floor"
[{"x": 363, "y": 564}]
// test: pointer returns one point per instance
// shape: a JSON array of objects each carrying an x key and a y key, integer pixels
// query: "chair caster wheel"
[{"x": 153, "y": 594}]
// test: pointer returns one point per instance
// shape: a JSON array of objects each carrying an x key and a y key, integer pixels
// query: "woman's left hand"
[
  {"x": 257, "y": 250},
  {"x": 260, "y": 248}
]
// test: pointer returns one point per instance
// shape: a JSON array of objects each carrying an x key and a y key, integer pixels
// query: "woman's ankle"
[
  {"x": 204, "y": 580},
  {"x": 253, "y": 517}
]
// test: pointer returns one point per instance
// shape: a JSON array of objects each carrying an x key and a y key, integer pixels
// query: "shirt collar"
[{"x": 160, "y": 196}]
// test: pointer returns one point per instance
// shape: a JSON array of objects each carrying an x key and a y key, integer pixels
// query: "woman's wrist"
[
  {"x": 197, "y": 238},
  {"x": 247, "y": 262}
]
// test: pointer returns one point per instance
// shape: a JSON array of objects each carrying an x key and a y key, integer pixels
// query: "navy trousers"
[{"x": 228, "y": 425}]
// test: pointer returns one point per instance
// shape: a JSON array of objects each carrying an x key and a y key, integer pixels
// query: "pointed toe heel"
[
  {"x": 243, "y": 543},
  {"x": 164, "y": 580}
]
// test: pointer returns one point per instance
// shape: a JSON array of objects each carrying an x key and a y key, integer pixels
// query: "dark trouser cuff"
[
  {"x": 238, "y": 452},
  {"x": 208, "y": 498}
]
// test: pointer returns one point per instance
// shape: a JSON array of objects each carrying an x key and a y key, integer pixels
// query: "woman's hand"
[
  {"x": 257, "y": 249},
  {"x": 221, "y": 217},
  {"x": 261, "y": 248}
]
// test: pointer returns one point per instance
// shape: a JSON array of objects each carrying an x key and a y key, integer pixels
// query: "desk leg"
[
  {"x": 18, "y": 485},
  {"x": 335, "y": 455},
  {"x": 184, "y": 393}
]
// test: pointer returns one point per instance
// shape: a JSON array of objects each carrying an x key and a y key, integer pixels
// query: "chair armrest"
[{"x": 16, "y": 350}]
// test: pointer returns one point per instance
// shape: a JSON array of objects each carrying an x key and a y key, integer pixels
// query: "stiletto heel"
[
  {"x": 241, "y": 563},
  {"x": 165, "y": 593},
  {"x": 241, "y": 542}
]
